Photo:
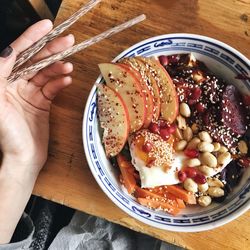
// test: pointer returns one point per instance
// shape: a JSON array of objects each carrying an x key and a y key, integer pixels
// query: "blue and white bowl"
[{"x": 225, "y": 62}]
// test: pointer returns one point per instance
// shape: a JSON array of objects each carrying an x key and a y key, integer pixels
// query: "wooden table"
[{"x": 66, "y": 178}]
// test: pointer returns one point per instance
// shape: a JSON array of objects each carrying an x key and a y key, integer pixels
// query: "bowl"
[{"x": 225, "y": 62}]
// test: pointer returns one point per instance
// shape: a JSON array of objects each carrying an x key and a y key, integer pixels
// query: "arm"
[{"x": 24, "y": 122}]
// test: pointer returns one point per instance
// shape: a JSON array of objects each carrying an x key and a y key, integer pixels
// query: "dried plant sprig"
[
  {"x": 35, "y": 48},
  {"x": 59, "y": 56}
]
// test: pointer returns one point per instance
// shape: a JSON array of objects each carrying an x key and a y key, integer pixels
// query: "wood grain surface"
[{"x": 66, "y": 178}]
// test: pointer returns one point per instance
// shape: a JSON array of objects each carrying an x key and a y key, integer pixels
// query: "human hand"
[{"x": 25, "y": 104}]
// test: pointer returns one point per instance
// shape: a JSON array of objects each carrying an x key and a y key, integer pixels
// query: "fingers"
[
  {"x": 54, "y": 70},
  {"x": 53, "y": 87},
  {"x": 57, "y": 45},
  {"x": 30, "y": 36}
]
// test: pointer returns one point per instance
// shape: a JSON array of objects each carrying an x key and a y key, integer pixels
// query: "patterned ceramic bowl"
[{"x": 225, "y": 62}]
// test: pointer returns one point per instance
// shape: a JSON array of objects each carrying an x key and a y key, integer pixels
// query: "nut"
[
  {"x": 204, "y": 201},
  {"x": 195, "y": 128},
  {"x": 185, "y": 110},
  {"x": 193, "y": 143},
  {"x": 206, "y": 170},
  {"x": 187, "y": 134},
  {"x": 205, "y": 146},
  {"x": 180, "y": 145},
  {"x": 195, "y": 162},
  {"x": 181, "y": 122},
  {"x": 223, "y": 149},
  {"x": 242, "y": 145},
  {"x": 178, "y": 134},
  {"x": 208, "y": 159},
  {"x": 215, "y": 182},
  {"x": 215, "y": 191},
  {"x": 216, "y": 146},
  {"x": 224, "y": 158},
  {"x": 190, "y": 185},
  {"x": 204, "y": 136},
  {"x": 203, "y": 187}
]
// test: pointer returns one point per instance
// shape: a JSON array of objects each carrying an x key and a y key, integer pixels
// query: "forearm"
[{"x": 15, "y": 191}]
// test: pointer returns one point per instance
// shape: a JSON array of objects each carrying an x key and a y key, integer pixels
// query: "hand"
[
  {"x": 24, "y": 121},
  {"x": 25, "y": 104}
]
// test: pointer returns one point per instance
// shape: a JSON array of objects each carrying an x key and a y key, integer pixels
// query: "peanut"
[
  {"x": 195, "y": 128},
  {"x": 215, "y": 191},
  {"x": 204, "y": 136},
  {"x": 195, "y": 162},
  {"x": 204, "y": 201},
  {"x": 190, "y": 185},
  {"x": 185, "y": 110},
  {"x": 242, "y": 145},
  {"x": 181, "y": 122},
  {"x": 180, "y": 145},
  {"x": 205, "y": 146},
  {"x": 187, "y": 134},
  {"x": 216, "y": 146},
  {"x": 178, "y": 134},
  {"x": 223, "y": 149},
  {"x": 224, "y": 158},
  {"x": 193, "y": 143},
  {"x": 203, "y": 187},
  {"x": 215, "y": 182},
  {"x": 206, "y": 170},
  {"x": 208, "y": 159}
]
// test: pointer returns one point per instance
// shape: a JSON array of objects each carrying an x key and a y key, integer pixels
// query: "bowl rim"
[{"x": 197, "y": 228}]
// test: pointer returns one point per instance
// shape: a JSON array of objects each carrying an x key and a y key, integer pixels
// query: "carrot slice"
[
  {"x": 127, "y": 171},
  {"x": 181, "y": 194},
  {"x": 159, "y": 205}
]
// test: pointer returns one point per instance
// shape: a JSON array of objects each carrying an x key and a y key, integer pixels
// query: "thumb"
[{"x": 7, "y": 61}]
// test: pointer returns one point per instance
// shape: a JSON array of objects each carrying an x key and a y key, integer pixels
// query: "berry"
[
  {"x": 246, "y": 100},
  {"x": 196, "y": 93},
  {"x": 172, "y": 128},
  {"x": 154, "y": 128},
  {"x": 244, "y": 162},
  {"x": 200, "y": 107},
  {"x": 200, "y": 178},
  {"x": 147, "y": 147},
  {"x": 163, "y": 124},
  {"x": 191, "y": 153},
  {"x": 182, "y": 176},
  {"x": 173, "y": 59},
  {"x": 164, "y": 133},
  {"x": 163, "y": 60},
  {"x": 190, "y": 172},
  {"x": 191, "y": 102}
]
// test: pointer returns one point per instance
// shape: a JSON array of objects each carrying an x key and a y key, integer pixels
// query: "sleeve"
[{"x": 23, "y": 235}]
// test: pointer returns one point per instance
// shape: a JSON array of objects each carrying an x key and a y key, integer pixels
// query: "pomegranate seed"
[
  {"x": 246, "y": 100},
  {"x": 245, "y": 162},
  {"x": 173, "y": 59},
  {"x": 163, "y": 60},
  {"x": 172, "y": 128},
  {"x": 154, "y": 128},
  {"x": 163, "y": 124},
  {"x": 200, "y": 179},
  {"x": 200, "y": 107},
  {"x": 147, "y": 147},
  {"x": 191, "y": 153},
  {"x": 191, "y": 102},
  {"x": 164, "y": 133},
  {"x": 196, "y": 93},
  {"x": 190, "y": 172},
  {"x": 182, "y": 176}
]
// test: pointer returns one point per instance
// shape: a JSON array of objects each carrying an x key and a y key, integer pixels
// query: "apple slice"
[
  {"x": 151, "y": 84},
  {"x": 169, "y": 98},
  {"x": 121, "y": 79},
  {"x": 114, "y": 119}
]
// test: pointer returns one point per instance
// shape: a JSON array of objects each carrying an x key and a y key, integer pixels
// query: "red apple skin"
[
  {"x": 114, "y": 119},
  {"x": 145, "y": 90},
  {"x": 169, "y": 98},
  {"x": 153, "y": 111},
  {"x": 121, "y": 79}
]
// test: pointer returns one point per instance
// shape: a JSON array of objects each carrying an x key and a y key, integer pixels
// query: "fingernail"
[{"x": 6, "y": 52}]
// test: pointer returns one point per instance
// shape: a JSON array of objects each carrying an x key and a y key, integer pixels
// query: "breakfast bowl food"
[{"x": 166, "y": 132}]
